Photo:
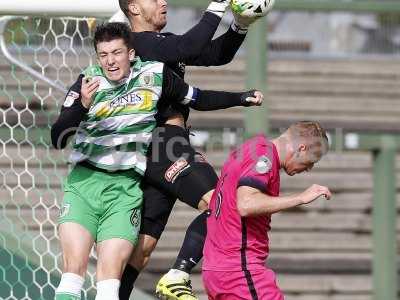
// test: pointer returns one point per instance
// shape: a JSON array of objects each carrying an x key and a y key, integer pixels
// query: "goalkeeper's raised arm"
[{"x": 195, "y": 47}]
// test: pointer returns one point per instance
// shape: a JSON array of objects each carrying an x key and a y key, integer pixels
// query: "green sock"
[{"x": 66, "y": 296}]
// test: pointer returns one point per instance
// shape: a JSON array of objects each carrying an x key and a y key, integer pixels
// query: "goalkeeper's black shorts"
[{"x": 174, "y": 171}]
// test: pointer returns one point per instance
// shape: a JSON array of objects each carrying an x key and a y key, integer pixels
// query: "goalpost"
[
  {"x": 88, "y": 8},
  {"x": 43, "y": 47}
]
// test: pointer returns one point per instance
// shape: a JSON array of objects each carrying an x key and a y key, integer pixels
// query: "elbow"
[
  {"x": 54, "y": 142},
  {"x": 243, "y": 207},
  {"x": 56, "y": 139},
  {"x": 53, "y": 136},
  {"x": 199, "y": 107},
  {"x": 225, "y": 60},
  {"x": 243, "y": 211},
  {"x": 221, "y": 61}
]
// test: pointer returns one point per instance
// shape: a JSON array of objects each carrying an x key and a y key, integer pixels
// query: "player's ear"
[
  {"x": 131, "y": 54},
  {"x": 302, "y": 148},
  {"x": 133, "y": 8}
]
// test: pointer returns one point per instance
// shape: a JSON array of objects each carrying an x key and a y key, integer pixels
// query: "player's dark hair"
[
  {"x": 111, "y": 31},
  {"x": 124, "y": 6}
]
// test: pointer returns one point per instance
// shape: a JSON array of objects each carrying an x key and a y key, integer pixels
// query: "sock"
[
  {"x": 127, "y": 281},
  {"x": 65, "y": 296},
  {"x": 107, "y": 289},
  {"x": 69, "y": 287},
  {"x": 192, "y": 248}
]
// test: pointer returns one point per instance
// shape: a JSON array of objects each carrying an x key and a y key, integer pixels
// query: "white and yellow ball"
[{"x": 252, "y": 8}]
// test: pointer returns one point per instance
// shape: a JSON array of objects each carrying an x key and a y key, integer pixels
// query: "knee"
[
  {"x": 148, "y": 250},
  {"x": 141, "y": 262},
  {"x": 142, "y": 253},
  {"x": 141, "y": 258},
  {"x": 75, "y": 264},
  {"x": 106, "y": 269}
]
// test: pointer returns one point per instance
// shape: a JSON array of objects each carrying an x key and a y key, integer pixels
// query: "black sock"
[
  {"x": 192, "y": 248},
  {"x": 127, "y": 281}
]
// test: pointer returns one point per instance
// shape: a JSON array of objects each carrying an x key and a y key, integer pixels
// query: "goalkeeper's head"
[
  {"x": 145, "y": 15},
  {"x": 114, "y": 53}
]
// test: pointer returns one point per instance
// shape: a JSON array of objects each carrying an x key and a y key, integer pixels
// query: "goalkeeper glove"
[
  {"x": 241, "y": 24},
  {"x": 252, "y": 98},
  {"x": 218, "y": 7}
]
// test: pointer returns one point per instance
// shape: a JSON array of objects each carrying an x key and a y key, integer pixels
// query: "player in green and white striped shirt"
[{"x": 112, "y": 109}]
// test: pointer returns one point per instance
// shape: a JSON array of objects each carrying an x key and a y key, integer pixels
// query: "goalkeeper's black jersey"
[{"x": 194, "y": 48}]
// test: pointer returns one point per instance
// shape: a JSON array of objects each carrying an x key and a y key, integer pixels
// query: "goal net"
[{"x": 40, "y": 57}]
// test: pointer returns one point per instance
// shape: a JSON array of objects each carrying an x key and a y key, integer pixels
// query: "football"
[{"x": 252, "y": 8}]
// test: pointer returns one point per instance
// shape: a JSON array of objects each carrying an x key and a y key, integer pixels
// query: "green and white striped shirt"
[{"x": 116, "y": 132}]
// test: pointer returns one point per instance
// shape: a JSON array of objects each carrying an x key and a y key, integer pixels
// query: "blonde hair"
[{"x": 311, "y": 133}]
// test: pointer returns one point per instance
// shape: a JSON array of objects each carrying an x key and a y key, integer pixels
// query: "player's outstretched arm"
[
  {"x": 221, "y": 50},
  {"x": 75, "y": 107},
  {"x": 214, "y": 100},
  {"x": 182, "y": 48},
  {"x": 252, "y": 202},
  {"x": 176, "y": 90}
]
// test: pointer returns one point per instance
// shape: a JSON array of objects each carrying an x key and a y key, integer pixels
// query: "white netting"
[{"x": 31, "y": 172}]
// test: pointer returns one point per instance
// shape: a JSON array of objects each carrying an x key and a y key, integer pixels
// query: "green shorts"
[{"x": 107, "y": 204}]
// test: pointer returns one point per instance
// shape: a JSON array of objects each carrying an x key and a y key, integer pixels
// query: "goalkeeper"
[
  {"x": 112, "y": 110},
  {"x": 196, "y": 183}
]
